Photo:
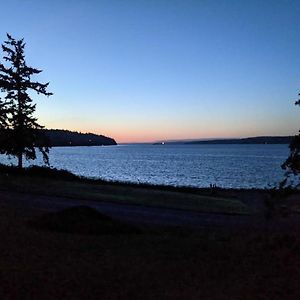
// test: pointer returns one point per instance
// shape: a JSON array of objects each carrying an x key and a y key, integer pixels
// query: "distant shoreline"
[
  {"x": 250, "y": 140},
  {"x": 66, "y": 138}
]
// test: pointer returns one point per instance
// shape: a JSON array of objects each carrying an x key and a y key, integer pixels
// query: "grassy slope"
[
  {"x": 165, "y": 264},
  {"x": 122, "y": 193},
  {"x": 38, "y": 264}
]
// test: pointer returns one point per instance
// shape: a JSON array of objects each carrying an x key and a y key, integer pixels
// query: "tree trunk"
[{"x": 20, "y": 161}]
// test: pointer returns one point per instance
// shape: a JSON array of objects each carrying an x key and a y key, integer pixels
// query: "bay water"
[{"x": 230, "y": 166}]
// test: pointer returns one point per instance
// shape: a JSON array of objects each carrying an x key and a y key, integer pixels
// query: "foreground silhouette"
[
  {"x": 292, "y": 163},
  {"x": 19, "y": 127}
]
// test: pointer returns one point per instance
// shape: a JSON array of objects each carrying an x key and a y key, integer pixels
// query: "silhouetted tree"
[
  {"x": 20, "y": 128},
  {"x": 293, "y": 161}
]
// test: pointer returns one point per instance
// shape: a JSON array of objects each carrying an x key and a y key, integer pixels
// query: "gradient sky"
[{"x": 155, "y": 69}]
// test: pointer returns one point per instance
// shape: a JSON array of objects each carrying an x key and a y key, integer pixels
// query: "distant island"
[
  {"x": 250, "y": 140},
  {"x": 60, "y": 137}
]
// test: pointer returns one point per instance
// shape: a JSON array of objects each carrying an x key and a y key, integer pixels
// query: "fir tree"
[
  {"x": 22, "y": 133},
  {"x": 292, "y": 164}
]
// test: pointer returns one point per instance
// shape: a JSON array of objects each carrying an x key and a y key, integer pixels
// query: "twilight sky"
[{"x": 149, "y": 70}]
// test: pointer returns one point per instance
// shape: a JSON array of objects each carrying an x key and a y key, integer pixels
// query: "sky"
[{"x": 148, "y": 70}]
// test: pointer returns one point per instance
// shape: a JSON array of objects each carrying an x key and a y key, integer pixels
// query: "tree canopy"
[
  {"x": 292, "y": 164},
  {"x": 20, "y": 131}
]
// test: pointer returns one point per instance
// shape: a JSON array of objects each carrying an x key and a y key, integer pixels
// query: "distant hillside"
[
  {"x": 250, "y": 140},
  {"x": 59, "y": 137}
]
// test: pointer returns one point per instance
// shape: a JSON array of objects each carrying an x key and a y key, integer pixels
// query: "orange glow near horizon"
[
  {"x": 149, "y": 71},
  {"x": 130, "y": 135}
]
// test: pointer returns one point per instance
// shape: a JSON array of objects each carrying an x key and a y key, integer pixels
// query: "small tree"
[
  {"x": 21, "y": 131},
  {"x": 292, "y": 164}
]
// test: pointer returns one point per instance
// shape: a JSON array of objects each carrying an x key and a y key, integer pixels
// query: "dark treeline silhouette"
[
  {"x": 59, "y": 137},
  {"x": 250, "y": 140}
]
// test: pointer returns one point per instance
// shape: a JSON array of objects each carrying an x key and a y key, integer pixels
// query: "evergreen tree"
[
  {"x": 293, "y": 161},
  {"x": 20, "y": 129}
]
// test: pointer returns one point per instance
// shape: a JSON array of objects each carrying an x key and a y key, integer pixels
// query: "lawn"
[
  {"x": 122, "y": 193},
  {"x": 178, "y": 264}
]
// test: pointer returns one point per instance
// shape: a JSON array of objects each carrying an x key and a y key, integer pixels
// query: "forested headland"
[{"x": 60, "y": 137}]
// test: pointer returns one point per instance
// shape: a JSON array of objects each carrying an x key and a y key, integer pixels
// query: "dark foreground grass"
[
  {"x": 165, "y": 264},
  {"x": 79, "y": 253},
  {"x": 62, "y": 183},
  {"x": 82, "y": 220}
]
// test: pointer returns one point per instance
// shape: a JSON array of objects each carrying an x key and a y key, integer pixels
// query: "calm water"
[{"x": 192, "y": 165}]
